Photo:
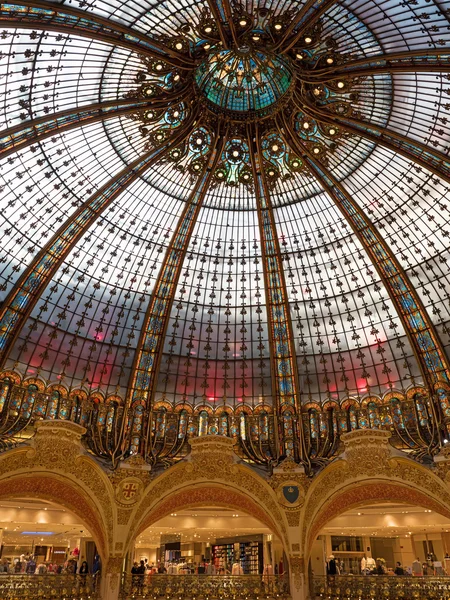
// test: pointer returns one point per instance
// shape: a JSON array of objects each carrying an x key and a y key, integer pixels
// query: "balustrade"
[
  {"x": 375, "y": 587},
  {"x": 56, "y": 587},
  {"x": 161, "y": 435},
  {"x": 190, "y": 587}
]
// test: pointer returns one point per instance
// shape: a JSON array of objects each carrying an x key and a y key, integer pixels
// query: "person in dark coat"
[{"x": 332, "y": 567}]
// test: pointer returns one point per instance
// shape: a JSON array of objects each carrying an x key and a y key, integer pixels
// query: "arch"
[
  {"x": 39, "y": 383},
  {"x": 371, "y": 492},
  {"x": 13, "y": 376},
  {"x": 212, "y": 473},
  {"x": 196, "y": 495},
  {"x": 58, "y": 490}
]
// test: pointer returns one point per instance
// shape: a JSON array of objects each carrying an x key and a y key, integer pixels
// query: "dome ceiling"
[{"x": 218, "y": 203}]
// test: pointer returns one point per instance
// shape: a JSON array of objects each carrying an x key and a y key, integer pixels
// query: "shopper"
[
  {"x": 83, "y": 572},
  {"x": 417, "y": 568},
  {"x": 332, "y": 567},
  {"x": 31, "y": 566},
  {"x": 399, "y": 569},
  {"x": 379, "y": 569},
  {"x": 4, "y": 567}
]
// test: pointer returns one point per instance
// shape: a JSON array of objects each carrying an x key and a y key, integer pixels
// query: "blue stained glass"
[{"x": 242, "y": 81}]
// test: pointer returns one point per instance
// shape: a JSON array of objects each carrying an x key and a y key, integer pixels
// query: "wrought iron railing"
[
  {"x": 190, "y": 587},
  {"x": 418, "y": 425},
  {"x": 375, "y": 587},
  {"x": 50, "y": 586}
]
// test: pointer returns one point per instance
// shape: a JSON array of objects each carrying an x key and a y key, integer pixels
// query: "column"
[{"x": 111, "y": 577}]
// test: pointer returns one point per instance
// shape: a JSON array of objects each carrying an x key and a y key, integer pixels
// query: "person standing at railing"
[
  {"x": 210, "y": 568},
  {"x": 4, "y": 567},
  {"x": 83, "y": 572},
  {"x": 236, "y": 569},
  {"x": 31, "y": 566},
  {"x": 332, "y": 566},
  {"x": 135, "y": 574},
  {"x": 399, "y": 569}
]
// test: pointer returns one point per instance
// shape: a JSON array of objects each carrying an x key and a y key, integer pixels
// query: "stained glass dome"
[
  {"x": 243, "y": 80},
  {"x": 231, "y": 208}
]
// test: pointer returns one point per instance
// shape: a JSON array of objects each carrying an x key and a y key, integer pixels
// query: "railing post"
[
  {"x": 298, "y": 582},
  {"x": 110, "y": 583}
]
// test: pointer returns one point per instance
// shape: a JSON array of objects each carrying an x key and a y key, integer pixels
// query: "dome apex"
[{"x": 244, "y": 81}]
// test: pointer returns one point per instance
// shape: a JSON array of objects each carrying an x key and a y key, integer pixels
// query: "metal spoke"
[
  {"x": 285, "y": 381},
  {"x": 307, "y": 19},
  {"x": 229, "y": 17},
  {"x": 415, "y": 61},
  {"x": 44, "y": 15},
  {"x": 216, "y": 13},
  {"x": 36, "y": 130},
  {"x": 413, "y": 150}
]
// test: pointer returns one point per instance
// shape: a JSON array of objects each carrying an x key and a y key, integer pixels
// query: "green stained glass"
[{"x": 243, "y": 80}]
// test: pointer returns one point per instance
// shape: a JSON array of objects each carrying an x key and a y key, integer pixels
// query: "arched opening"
[
  {"x": 380, "y": 537},
  {"x": 208, "y": 539},
  {"x": 42, "y": 534}
]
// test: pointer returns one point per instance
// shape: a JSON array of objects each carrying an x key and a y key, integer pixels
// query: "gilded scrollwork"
[
  {"x": 369, "y": 468},
  {"x": 213, "y": 460},
  {"x": 56, "y": 452}
]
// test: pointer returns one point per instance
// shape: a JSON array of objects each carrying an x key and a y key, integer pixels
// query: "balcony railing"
[
  {"x": 50, "y": 586},
  {"x": 375, "y": 587},
  {"x": 191, "y": 587},
  {"x": 418, "y": 425}
]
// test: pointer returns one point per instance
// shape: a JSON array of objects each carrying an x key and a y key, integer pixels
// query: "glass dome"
[
  {"x": 143, "y": 260},
  {"x": 243, "y": 80}
]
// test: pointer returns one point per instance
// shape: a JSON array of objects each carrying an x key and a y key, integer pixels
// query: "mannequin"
[
  {"x": 370, "y": 564},
  {"x": 364, "y": 565},
  {"x": 237, "y": 569}
]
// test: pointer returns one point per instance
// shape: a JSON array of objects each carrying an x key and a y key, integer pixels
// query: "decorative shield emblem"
[
  {"x": 291, "y": 493},
  {"x": 128, "y": 490}
]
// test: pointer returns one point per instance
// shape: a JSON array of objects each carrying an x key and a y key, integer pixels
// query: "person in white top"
[{"x": 237, "y": 569}]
